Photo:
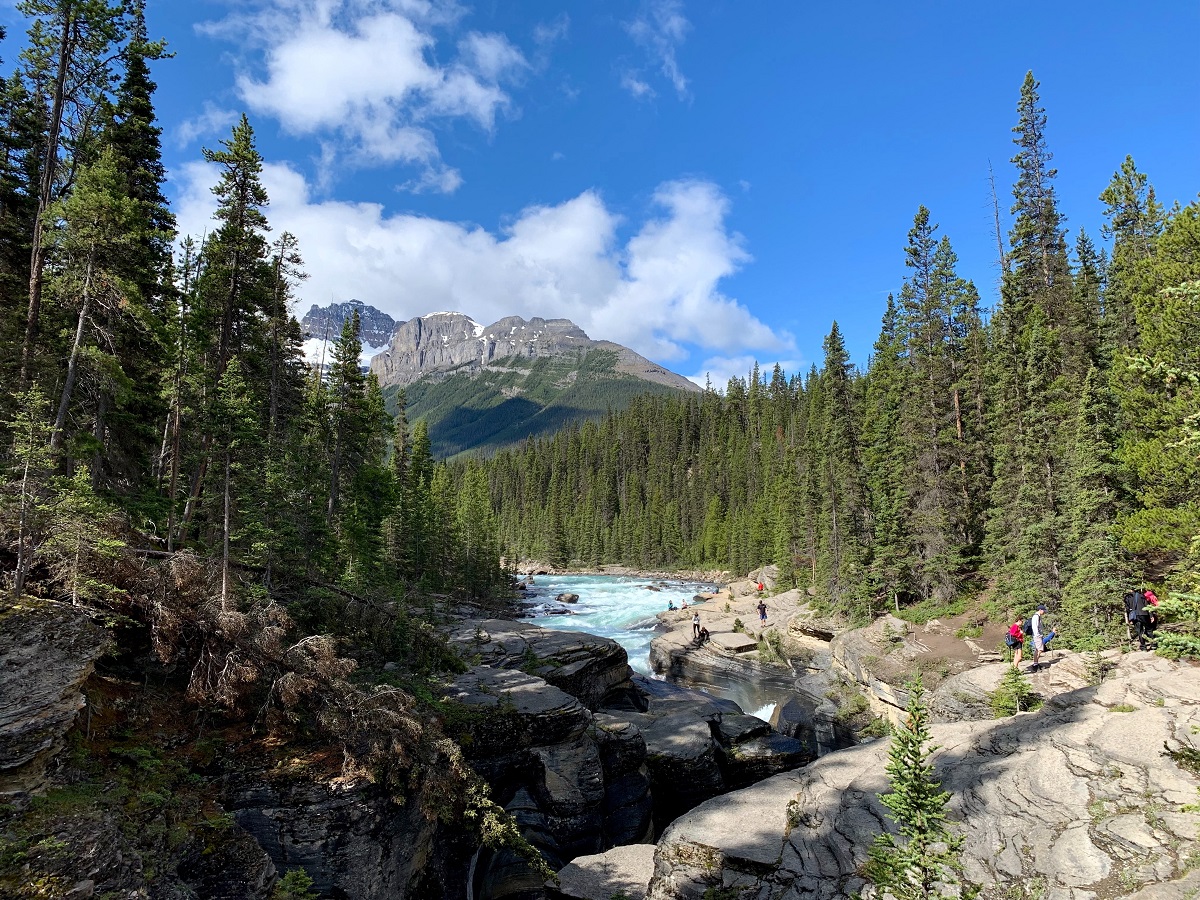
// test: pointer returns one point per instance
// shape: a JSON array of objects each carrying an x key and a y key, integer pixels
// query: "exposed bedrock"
[
  {"x": 1079, "y": 798},
  {"x": 47, "y": 652}
]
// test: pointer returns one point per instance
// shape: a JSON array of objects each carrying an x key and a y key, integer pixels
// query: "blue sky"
[{"x": 707, "y": 181}]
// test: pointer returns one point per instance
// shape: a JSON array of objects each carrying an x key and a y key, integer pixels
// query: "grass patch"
[
  {"x": 1122, "y": 707},
  {"x": 926, "y": 610},
  {"x": 969, "y": 631}
]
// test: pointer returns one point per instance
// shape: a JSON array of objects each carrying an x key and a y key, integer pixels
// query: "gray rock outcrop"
[
  {"x": 1081, "y": 798},
  {"x": 47, "y": 652},
  {"x": 325, "y": 323},
  {"x": 445, "y": 342},
  {"x": 353, "y": 841}
]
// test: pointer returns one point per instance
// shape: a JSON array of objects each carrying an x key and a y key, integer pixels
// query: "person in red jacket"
[{"x": 1015, "y": 641}]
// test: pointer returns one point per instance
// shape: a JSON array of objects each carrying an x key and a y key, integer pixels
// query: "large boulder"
[
  {"x": 1079, "y": 797},
  {"x": 47, "y": 652},
  {"x": 698, "y": 746},
  {"x": 595, "y": 670}
]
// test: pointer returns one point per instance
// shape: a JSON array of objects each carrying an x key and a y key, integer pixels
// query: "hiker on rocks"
[
  {"x": 696, "y": 625},
  {"x": 670, "y": 606},
  {"x": 1138, "y": 614},
  {"x": 762, "y": 612},
  {"x": 1152, "y": 608},
  {"x": 703, "y": 636},
  {"x": 1039, "y": 640},
  {"x": 1015, "y": 641}
]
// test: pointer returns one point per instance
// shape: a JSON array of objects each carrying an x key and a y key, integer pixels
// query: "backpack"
[
  {"x": 1027, "y": 626},
  {"x": 1135, "y": 604}
]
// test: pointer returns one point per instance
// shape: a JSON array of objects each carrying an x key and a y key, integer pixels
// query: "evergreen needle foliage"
[
  {"x": 1013, "y": 695},
  {"x": 923, "y": 860}
]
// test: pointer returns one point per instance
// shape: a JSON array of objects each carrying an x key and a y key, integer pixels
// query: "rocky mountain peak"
[
  {"x": 322, "y": 326},
  {"x": 444, "y": 342}
]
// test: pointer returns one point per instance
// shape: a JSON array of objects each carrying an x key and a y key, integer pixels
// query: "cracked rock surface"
[{"x": 1080, "y": 800}]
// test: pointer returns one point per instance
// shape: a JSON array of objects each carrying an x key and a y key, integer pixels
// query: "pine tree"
[
  {"x": 843, "y": 513},
  {"x": 99, "y": 223},
  {"x": 926, "y": 861},
  {"x": 1134, "y": 221},
  {"x": 126, "y": 428},
  {"x": 886, "y": 460},
  {"x": 20, "y": 160},
  {"x": 1041, "y": 344},
  {"x": 1098, "y": 570},
  {"x": 69, "y": 63},
  {"x": 232, "y": 290}
]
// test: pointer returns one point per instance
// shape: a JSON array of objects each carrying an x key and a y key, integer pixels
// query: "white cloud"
[
  {"x": 362, "y": 75},
  {"x": 657, "y": 292},
  {"x": 640, "y": 89},
  {"x": 660, "y": 29},
  {"x": 212, "y": 120},
  {"x": 546, "y": 34}
]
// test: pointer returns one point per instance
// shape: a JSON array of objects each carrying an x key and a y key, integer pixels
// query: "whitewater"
[{"x": 624, "y": 608}]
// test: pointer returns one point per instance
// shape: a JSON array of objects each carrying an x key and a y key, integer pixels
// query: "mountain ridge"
[{"x": 484, "y": 387}]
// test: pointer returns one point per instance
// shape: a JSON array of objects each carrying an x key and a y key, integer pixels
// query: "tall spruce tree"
[
  {"x": 842, "y": 532},
  {"x": 1097, "y": 568},
  {"x": 69, "y": 64},
  {"x": 1134, "y": 220},
  {"x": 1040, "y": 343},
  {"x": 886, "y": 460}
]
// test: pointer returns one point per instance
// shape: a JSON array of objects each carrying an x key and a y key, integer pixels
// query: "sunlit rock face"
[
  {"x": 1083, "y": 796},
  {"x": 447, "y": 342}
]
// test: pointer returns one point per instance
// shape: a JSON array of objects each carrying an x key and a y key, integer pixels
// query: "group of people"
[
  {"x": 1141, "y": 616},
  {"x": 1033, "y": 627}
]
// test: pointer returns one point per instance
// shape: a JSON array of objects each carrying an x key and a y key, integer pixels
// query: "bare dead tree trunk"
[
  {"x": 37, "y": 257},
  {"x": 226, "y": 524},
  {"x": 1001, "y": 256},
  {"x": 60, "y": 421}
]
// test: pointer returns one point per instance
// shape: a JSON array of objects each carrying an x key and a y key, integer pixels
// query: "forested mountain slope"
[{"x": 485, "y": 387}]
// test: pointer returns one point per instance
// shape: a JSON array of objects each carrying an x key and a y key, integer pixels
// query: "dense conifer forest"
[
  {"x": 1045, "y": 452},
  {"x": 161, "y": 383}
]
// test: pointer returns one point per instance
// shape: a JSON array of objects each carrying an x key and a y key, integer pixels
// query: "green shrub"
[
  {"x": 770, "y": 646},
  {"x": 1013, "y": 695},
  {"x": 739, "y": 626},
  {"x": 294, "y": 886},
  {"x": 878, "y": 727}
]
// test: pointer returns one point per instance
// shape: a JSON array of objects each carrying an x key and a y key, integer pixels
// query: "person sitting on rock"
[
  {"x": 696, "y": 625},
  {"x": 703, "y": 636},
  {"x": 670, "y": 606}
]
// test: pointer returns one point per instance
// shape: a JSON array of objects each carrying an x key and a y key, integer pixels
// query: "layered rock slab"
[
  {"x": 47, "y": 652},
  {"x": 1080, "y": 796}
]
